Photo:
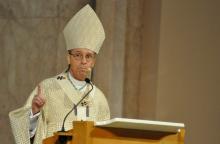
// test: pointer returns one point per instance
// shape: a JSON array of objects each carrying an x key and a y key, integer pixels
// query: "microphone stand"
[{"x": 64, "y": 139}]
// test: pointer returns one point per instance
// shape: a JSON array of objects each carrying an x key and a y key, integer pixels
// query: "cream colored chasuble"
[{"x": 60, "y": 97}]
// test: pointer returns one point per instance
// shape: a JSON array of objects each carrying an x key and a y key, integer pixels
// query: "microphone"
[{"x": 88, "y": 81}]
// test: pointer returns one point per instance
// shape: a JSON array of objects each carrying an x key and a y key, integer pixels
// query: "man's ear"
[
  {"x": 93, "y": 64},
  {"x": 68, "y": 58}
]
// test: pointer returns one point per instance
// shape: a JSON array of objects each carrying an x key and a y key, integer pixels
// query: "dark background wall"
[{"x": 160, "y": 59}]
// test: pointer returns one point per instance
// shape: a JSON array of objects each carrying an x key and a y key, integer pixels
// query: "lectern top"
[{"x": 141, "y": 124}]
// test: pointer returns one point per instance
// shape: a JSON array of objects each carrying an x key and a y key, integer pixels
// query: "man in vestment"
[{"x": 53, "y": 98}]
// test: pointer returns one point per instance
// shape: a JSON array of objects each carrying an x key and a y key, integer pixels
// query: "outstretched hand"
[{"x": 38, "y": 101}]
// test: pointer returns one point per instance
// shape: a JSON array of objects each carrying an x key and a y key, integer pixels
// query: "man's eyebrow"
[
  {"x": 75, "y": 51},
  {"x": 78, "y": 51}
]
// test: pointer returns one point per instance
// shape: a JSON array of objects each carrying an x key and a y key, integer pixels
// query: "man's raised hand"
[{"x": 38, "y": 101}]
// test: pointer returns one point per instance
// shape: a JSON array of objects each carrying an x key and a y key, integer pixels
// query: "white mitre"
[{"x": 84, "y": 30}]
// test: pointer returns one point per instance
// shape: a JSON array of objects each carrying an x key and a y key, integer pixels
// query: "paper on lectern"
[{"x": 141, "y": 124}]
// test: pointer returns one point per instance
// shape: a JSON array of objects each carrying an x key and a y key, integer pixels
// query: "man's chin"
[
  {"x": 84, "y": 72},
  {"x": 82, "y": 76}
]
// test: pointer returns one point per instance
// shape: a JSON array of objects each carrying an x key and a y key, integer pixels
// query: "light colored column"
[{"x": 109, "y": 69}]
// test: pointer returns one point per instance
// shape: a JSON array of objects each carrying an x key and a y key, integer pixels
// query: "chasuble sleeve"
[
  {"x": 20, "y": 121},
  {"x": 103, "y": 112}
]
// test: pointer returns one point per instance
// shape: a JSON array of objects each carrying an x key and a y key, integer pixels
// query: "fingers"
[
  {"x": 38, "y": 90},
  {"x": 39, "y": 101}
]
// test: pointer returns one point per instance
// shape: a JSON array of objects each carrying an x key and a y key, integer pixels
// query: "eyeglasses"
[{"x": 79, "y": 56}]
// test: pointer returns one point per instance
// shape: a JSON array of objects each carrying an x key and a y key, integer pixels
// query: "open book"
[{"x": 141, "y": 125}]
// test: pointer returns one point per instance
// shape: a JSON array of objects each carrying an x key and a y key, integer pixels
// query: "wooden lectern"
[{"x": 120, "y": 131}]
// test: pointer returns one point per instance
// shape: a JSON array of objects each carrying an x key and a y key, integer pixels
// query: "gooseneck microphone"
[{"x": 87, "y": 80}]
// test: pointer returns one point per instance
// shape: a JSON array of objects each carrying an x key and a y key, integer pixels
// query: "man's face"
[{"x": 81, "y": 62}]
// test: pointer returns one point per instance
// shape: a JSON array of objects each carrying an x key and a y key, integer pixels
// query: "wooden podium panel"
[
  {"x": 122, "y": 136},
  {"x": 86, "y": 133}
]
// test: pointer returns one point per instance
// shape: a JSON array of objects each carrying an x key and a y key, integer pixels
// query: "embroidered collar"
[{"x": 78, "y": 85}]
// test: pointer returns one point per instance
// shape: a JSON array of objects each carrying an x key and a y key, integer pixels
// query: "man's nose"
[{"x": 83, "y": 59}]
